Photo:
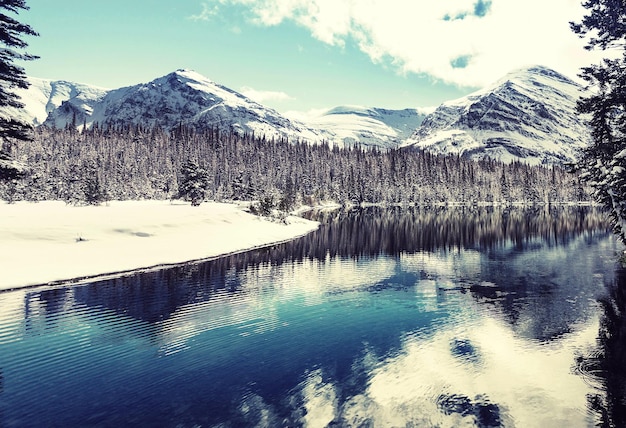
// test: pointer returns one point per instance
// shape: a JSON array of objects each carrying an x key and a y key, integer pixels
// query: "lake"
[{"x": 417, "y": 317}]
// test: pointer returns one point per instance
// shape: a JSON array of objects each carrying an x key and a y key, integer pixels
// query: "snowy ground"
[{"x": 51, "y": 241}]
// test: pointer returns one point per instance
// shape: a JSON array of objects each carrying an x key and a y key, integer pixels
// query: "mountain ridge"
[
  {"x": 528, "y": 115},
  {"x": 182, "y": 97},
  {"x": 46, "y": 95},
  {"x": 368, "y": 126}
]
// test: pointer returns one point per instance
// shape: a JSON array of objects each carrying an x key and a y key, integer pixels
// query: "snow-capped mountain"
[
  {"x": 528, "y": 116},
  {"x": 373, "y": 127},
  {"x": 183, "y": 97},
  {"x": 45, "y": 95}
]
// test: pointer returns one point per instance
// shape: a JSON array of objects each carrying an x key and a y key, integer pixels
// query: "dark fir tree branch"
[
  {"x": 13, "y": 76},
  {"x": 605, "y": 25}
]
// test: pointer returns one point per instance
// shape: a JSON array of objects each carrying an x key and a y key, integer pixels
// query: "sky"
[{"x": 307, "y": 55}]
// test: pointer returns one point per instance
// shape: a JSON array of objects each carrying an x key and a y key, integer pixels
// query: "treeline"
[{"x": 138, "y": 163}]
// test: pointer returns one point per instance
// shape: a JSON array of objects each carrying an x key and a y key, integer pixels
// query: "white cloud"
[
  {"x": 465, "y": 42},
  {"x": 206, "y": 14},
  {"x": 262, "y": 96}
]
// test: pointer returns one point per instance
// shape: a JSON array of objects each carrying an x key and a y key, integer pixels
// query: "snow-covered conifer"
[
  {"x": 194, "y": 183},
  {"x": 603, "y": 164}
]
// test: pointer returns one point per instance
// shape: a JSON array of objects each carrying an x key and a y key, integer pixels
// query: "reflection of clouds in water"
[
  {"x": 254, "y": 308},
  {"x": 253, "y": 411},
  {"x": 250, "y": 313},
  {"x": 543, "y": 292},
  {"x": 319, "y": 401},
  {"x": 314, "y": 403},
  {"x": 498, "y": 378},
  {"x": 531, "y": 383},
  {"x": 439, "y": 271},
  {"x": 316, "y": 278},
  {"x": 308, "y": 282},
  {"x": 469, "y": 369},
  {"x": 443, "y": 265}
]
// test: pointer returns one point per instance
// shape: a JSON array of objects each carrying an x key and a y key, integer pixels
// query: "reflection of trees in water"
[
  {"x": 150, "y": 296},
  {"x": 394, "y": 230},
  {"x": 607, "y": 365},
  {"x": 540, "y": 293},
  {"x": 40, "y": 308},
  {"x": 154, "y": 296}
]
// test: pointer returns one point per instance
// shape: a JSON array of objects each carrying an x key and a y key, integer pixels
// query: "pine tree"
[
  {"x": 288, "y": 199},
  {"x": 603, "y": 163},
  {"x": 12, "y": 77},
  {"x": 94, "y": 193},
  {"x": 194, "y": 183}
]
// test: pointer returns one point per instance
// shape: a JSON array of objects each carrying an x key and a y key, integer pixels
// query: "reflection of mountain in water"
[
  {"x": 545, "y": 293},
  {"x": 502, "y": 233}
]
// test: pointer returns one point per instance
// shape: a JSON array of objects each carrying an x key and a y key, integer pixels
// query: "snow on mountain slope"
[
  {"x": 189, "y": 98},
  {"x": 528, "y": 116},
  {"x": 45, "y": 95},
  {"x": 373, "y": 127}
]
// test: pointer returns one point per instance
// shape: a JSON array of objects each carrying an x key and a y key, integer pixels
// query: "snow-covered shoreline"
[{"x": 50, "y": 241}]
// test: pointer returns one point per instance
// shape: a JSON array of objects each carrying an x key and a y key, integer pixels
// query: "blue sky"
[{"x": 306, "y": 54}]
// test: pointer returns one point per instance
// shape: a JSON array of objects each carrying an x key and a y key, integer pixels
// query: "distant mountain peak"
[
  {"x": 44, "y": 96},
  {"x": 529, "y": 115},
  {"x": 185, "y": 75},
  {"x": 183, "y": 97},
  {"x": 190, "y": 74},
  {"x": 541, "y": 70}
]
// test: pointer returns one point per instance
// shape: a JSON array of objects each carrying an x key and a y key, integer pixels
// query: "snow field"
[{"x": 50, "y": 241}]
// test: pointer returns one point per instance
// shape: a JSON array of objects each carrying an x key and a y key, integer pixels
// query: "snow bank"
[{"x": 51, "y": 241}]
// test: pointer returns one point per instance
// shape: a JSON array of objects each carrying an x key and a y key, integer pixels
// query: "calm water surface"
[{"x": 383, "y": 317}]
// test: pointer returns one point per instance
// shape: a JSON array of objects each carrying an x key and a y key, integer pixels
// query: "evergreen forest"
[{"x": 108, "y": 163}]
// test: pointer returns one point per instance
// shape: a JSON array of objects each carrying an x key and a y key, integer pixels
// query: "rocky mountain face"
[
  {"x": 44, "y": 96},
  {"x": 527, "y": 116},
  {"x": 182, "y": 97}
]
